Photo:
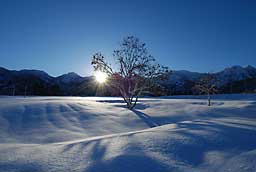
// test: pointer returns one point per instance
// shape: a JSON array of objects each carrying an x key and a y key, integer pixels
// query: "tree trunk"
[
  {"x": 129, "y": 105},
  {"x": 134, "y": 104},
  {"x": 209, "y": 100}
]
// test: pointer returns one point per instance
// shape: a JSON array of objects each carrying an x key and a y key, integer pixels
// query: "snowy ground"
[{"x": 100, "y": 135}]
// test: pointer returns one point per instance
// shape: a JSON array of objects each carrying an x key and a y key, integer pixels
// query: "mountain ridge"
[
  {"x": 247, "y": 67},
  {"x": 179, "y": 81}
]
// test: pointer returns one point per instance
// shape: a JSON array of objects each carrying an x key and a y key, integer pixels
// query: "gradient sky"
[{"x": 59, "y": 36}]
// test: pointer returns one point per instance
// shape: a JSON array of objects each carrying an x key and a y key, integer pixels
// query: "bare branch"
[{"x": 137, "y": 70}]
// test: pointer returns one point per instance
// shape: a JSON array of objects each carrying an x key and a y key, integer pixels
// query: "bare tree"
[
  {"x": 206, "y": 85},
  {"x": 136, "y": 71}
]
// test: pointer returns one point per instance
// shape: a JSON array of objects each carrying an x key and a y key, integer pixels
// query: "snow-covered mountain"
[
  {"x": 179, "y": 82},
  {"x": 179, "y": 77},
  {"x": 70, "y": 77},
  {"x": 37, "y": 82},
  {"x": 235, "y": 73},
  {"x": 182, "y": 81},
  {"x": 36, "y": 73},
  {"x": 230, "y": 74}
]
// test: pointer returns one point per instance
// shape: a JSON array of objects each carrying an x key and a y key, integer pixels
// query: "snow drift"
[{"x": 100, "y": 135}]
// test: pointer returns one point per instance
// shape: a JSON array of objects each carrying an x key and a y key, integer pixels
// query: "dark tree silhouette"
[{"x": 136, "y": 72}]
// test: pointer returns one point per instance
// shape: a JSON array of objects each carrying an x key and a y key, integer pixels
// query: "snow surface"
[{"x": 97, "y": 134}]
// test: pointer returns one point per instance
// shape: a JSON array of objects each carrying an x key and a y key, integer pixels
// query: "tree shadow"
[
  {"x": 146, "y": 118},
  {"x": 123, "y": 162},
  {"x": 212, "y": 113},
  {"x": 21, "y": 167},
  {"x": 229, "y": 138},
  {"x": 129, "y": 163},
  {"x": 205, "y": 103},
  {"x": 110, "y": 101}
]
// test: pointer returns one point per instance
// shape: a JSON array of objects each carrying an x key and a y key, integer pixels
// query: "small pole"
[
  {"x": 13, "y": 91},
  {"x": 25, "y": 91}
]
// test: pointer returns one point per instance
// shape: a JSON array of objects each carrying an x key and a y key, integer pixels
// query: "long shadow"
[
  {"x": 146, "y": 118},
  {"x": 228, "y": 138},
  {"x": 21, "y": 166},
  {"x": 129, "y": 163},
  {"x": 124, "y": 162}
]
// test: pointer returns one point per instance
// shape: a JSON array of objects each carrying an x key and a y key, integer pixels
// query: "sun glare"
[{"x": 101, "y": 77}]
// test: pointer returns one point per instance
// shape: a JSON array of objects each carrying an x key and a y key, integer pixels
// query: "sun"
[{"x": 100, "y": 77}]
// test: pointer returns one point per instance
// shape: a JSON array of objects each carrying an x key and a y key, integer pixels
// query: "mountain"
[
  {"x": 180, "y": 75},
  {"x": 70, "y": 77},
  {"x": 234, "y": 79},
  {"x": 36, "y": 73},
  {"x": 235, "y": 73},
  {"x": 35, "y": 82},
  {"x": 4, "y": 74},
  {"x": 251, "y": 70},
  {"x": 182, "y": 81},
  {"x": 69, "y": 83}
]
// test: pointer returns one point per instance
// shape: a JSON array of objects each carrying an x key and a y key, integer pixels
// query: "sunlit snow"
[{"x": 99, "y": 134}]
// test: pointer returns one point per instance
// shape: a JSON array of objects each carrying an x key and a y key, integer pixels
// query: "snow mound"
[
  {"x": 100, "y": 135},
  {"x": 48, "y": 120}
]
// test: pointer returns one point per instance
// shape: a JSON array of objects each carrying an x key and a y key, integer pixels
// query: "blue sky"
[{"x": 59, "y": 36}]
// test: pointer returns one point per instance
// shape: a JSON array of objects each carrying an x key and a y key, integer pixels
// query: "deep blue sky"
[{"x": 59, "y": 36}]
